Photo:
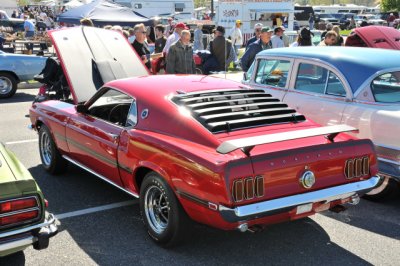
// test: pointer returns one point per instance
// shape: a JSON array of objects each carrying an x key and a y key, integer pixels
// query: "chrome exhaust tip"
[
  {"x": 354, "y": 200},
  {"x": 243, "y": 227}
]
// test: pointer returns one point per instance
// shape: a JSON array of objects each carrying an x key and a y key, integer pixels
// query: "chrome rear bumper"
[
  {"x": 265, "y": 208},
  {"x": 14, "y": 239}
]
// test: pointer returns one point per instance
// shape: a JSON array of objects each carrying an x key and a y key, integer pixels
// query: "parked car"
[
  {"x": 326, "y": 18},
  {"x": 16, "y": 68},
  {"x": 23, "y": 217},
  {"x": 371, "y": 19},
  {"x": 15, "y": 24},
  {"x": 374, "y": 37},
  {"x": 340, "y": 85},
  {"x": 193, "y": 146}
]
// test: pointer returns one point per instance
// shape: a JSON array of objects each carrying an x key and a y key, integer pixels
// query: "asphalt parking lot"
[{"x": 101, "y": 224}]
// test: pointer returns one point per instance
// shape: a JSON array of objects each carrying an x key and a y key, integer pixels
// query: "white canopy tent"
[{"x": 73, "y": 3}]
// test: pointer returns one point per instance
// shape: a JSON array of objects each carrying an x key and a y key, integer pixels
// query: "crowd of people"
[{"x": 171, "y": 47}]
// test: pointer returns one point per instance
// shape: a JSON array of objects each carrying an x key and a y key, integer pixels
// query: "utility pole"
[{"x": 212, "y": 9}]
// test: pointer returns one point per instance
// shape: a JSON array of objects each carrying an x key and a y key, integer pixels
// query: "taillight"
[
  {"x": 18, "y": 211},
  {"x": 357, "y": 167},
  {"x": 248, "y": 188}
]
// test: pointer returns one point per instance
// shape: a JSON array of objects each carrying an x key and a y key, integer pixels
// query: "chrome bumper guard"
[
  {"x": 40, "y": 240},
  {"x": 261, "y": 209}
]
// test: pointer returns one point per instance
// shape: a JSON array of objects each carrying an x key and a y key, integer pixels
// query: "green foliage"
[{"x": 390, "y": 5}]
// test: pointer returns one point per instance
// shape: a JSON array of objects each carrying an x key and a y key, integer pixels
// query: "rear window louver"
[{"x": 229, "y": 110}]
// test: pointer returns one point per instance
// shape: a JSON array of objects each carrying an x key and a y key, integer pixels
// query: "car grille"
[{"x": 229, "y": 110}]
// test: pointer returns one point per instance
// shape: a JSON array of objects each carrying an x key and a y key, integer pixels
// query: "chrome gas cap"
[{"x": 307, "y": 180}]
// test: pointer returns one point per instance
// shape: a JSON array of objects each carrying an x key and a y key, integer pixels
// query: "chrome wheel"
[
  {"x": 156, "y": 208},
  {"x": 6, "y": 85},
  {"x": 46, "y": 148}
]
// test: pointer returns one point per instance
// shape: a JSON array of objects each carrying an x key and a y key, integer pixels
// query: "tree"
[{"x": 390, "y": 5}]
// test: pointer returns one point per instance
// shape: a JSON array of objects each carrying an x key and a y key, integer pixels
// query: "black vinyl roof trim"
[{"x": 235, "y": 109}]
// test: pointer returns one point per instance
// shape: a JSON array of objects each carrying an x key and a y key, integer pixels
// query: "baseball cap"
[
  {"x": 266, "y": 29},
  {"x": 238, "y": 21},
  {"x": 181, "y": 25},
  {"x": 282, "y": 28},
  {"x": 221, "y": 29},
  {"x": 258, "y": 26}
]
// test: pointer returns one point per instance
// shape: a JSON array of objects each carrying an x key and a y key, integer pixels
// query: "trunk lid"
[{"x": 380, "y": 37}]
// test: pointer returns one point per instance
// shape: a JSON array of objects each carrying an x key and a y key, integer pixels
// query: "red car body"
[
  {"x": 375, "y": 37},
  {"x": 233, "y": 157}
]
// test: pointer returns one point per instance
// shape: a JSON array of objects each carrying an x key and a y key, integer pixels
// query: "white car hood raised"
[{"x": 92, "y": 56}]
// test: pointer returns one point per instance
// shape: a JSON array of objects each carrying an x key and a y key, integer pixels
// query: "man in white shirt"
[
  {"x": 173, "y": 38},
  {"x": 236, "y": 36},
  {"x": 276, "y": 40}
]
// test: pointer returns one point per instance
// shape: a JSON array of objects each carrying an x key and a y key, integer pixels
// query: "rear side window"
[
  {"x": 318, "y": 79},
  {"x": 386, "y": 87},
  {"x": 273, "y": 72}
]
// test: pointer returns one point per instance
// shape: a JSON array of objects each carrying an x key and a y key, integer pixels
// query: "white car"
[{"x": 340, "y": 85}]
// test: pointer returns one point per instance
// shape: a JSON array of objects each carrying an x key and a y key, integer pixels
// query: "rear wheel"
[
  {"x": 51, "y": 158},
  {"x": 8, "y": 85},
  {"x": 388, "y": 187},
  {"x": 162, "y": 214}
]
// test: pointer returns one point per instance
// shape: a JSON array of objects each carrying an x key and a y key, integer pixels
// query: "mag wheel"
[
  {"x": 8, "y": 85},
  {"x": 162, "y": 214},
  {"x": 51, "y": 158}
]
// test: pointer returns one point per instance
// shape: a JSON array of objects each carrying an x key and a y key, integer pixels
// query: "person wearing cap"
[
  {"x": 262, "y": 44},
  {"x": 236, "y": 36},
  {"x": 276, "y": 39},
  {"x": 222, "y": 49},
  {"x": 180, "y": 56},
  {"x": 173, "y": 38},
  {"x": 257, "y": 33}
]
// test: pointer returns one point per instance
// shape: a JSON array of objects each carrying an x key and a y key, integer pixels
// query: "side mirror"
[{"x": 81, "y": 108}]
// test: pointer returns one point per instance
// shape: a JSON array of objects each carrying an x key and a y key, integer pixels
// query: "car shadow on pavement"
[
  {"x": 16, "y": 259},
  {"x": 379, "y": 217},
  {"x": 124, "y": 241},
  {"x": 118, "y": 236}
]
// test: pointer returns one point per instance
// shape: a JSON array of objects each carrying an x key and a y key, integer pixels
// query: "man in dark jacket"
[
  {"x": 222, "y": 49},
  {"x": 140, "y": 45},
  {"x": 257, "y": 33},
  {"x": 262, "y": 44},
  {"x": 180, "y": 56}
]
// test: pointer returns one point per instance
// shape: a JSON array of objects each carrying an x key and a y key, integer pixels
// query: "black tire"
[
  {"x": 51, "y": 158},
  {"x": 8, "y": 85},
  {"x": 388, "y": 187},
  {"x": 166, "y": 227}
]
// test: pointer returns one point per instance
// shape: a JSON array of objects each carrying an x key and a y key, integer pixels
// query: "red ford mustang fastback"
[{"x": 193, "y": 147}]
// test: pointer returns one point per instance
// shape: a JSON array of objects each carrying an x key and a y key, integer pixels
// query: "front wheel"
[
  {"x": 162, "y": 214},
  {"x": 8, "y": 85},
  {"x": 51, "y": 158}
]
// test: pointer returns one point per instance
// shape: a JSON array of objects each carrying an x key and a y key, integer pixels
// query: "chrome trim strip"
[
  {"x": 269, "y": 207},
  {"x": 17, "y": 243},
  {"x": 231, "y": 145},
  {"x": 99, "y": 176},
  {"x": 21, "y": 211},
  {"x": 389, "y": 161},
  {"x": 49, "y": 221}
]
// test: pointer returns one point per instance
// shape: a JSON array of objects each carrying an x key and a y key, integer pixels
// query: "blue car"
[{"x": 16, "y": 68}]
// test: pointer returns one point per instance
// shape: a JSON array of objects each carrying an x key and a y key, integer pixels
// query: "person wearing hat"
[
  {"x": 276, "y": 39},
  {"x": 257, "y": 33},
  {"x": 221, "y": 49},
  {"x": 236, "y": 36},
  {"x": 262, "y": 44},
  {"x": 173, "y": 38}
]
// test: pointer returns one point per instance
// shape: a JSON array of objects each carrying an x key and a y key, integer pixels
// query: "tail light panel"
[
  {"x": 19, "y": 211},
  {"x": 357, "y": 167},
  {"x": 248, "y": 188}
]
